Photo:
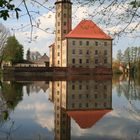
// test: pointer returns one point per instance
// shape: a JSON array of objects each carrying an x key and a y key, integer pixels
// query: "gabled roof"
[
  {"x": 42, "y": 59},
  {"x": 86, "y": 119},
  {"x": 87, "y": 29}
]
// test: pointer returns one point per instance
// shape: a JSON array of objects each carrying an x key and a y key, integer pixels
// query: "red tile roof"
[
  {"x": 86, "y": 119},
  {"x": 87, "y": 29}
]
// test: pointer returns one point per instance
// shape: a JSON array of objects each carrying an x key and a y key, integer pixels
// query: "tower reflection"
[{"x": 86, "y": 100}]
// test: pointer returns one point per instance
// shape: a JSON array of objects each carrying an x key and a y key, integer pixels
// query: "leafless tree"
[
  {"x": 4, "y": 33},
  {"x": 118, "y": 17}
]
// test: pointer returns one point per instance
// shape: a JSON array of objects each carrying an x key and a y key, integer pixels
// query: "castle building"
[{"x": 85, "y": 46}]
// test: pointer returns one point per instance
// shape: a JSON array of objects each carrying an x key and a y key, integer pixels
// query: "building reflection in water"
[{"x": 85, "y": 100}]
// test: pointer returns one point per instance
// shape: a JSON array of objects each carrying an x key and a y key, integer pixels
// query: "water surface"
[{"x": 71, "y": 108}]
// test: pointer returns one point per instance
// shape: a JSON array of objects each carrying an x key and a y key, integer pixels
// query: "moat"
[{"x": 70, "y": 108}]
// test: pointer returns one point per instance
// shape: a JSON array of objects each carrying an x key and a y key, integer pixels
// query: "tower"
[{"x": 63, "y": 26}]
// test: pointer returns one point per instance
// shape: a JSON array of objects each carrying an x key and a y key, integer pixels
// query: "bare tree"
[
  {"x": 119, "y": 17},
  {"x": 4, "y": 33}
]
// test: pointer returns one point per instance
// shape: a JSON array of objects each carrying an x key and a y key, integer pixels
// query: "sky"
[{"x": 46, "y": 21}]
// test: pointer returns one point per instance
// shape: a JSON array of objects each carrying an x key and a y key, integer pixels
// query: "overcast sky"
[{"x": 47, "y": 21}]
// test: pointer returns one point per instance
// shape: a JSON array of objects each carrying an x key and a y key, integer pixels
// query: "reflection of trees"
[
  {"x": 12, "y": 93},
  {"x": 129, "y": 89}
]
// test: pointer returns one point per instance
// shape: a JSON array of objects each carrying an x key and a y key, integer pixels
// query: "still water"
[{"x": 71, "y": 108}]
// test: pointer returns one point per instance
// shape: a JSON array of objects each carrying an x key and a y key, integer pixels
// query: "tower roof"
[
  {"x": 86, "y": 119},
  {"x": 87, "y": 29}
]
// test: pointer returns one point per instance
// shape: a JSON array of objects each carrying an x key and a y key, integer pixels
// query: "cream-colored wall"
[
  {"x": 91, "y": 56},
  {"x": 63, "y": 15},
  {"x": 51, "y": 57},
  {"x": 64, "y": 53}
]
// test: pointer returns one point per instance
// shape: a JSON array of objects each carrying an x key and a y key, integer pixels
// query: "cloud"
[
  {"x": 42, "y": 113},
  {"x": 43, "y": 39},
  {"x": 47, "y": 21}
]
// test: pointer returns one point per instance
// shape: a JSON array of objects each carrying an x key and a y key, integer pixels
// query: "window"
[
  {"x": 105, "y": 96},
  {"x": 105, "y": 87},
  {"x": 96, "y": 52},
  {"x": 58, "y": 46},
  {"x": 65, "y": 23},
  {"x": 63, "y": 114},
  {"x": 80, "y": 61},
  {"x": 105, "y": 43},
  {"x": 86, "y": 104},
  {"x": 87, "y": 87},
  {"x": 73, "y": 105},
  {"x": 105, "y": 60},
  {"x": 58, "y": 31},
  {"x": 87, "y": 61},
  {"x": 73, "y": 87},
  {"x": 63, "y": 131},
  {"x": 58, "y": 14},
  {"x": 58, "y": 23},
  {"x": 73, "y": 61},
  {"x": 73, "y": 42},
  {"x": 80, "y": 43},
  {"x": 65, "y": 6},
  {"x": 57, "y": 131},
  {"x": 73, "y": 51},
  {"x": 87, "y": 43},
  {"x": 105, "y": 52},
  {"x": 58, "y": 38},
  {"x": 57, "y": 115},
  {"x": 80, "y": 105},
  {"x": 80, "y": 52},
  {"x": 58, "y": 62},
  {"x": 95, "y": 87},
  {"x": 80, "y": 87},
  {"x": 96, "y": 61},
  {"x": 87, "y": 51},
  {"x": 96, "y": 43},
  {"x": 104, "y": 104},
  {"x": 58, "y": 54},
  {"x": 80, "y": 96},
  {"x": 96, "y": 104},
  {"x": 73, "y": 96},
  {"x": 64, "y": 31},
  {"x": 96, "y": 96},
  {"x": 65, "y": 15}
]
